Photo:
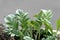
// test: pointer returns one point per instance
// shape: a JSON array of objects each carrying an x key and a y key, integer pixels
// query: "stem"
[
  {"x": 36, "y": 36},
  {"x": 31, "y": 32},
  {"x": 39, "y": 34}
]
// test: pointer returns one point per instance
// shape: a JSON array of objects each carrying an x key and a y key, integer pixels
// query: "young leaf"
[
  {"x": 58, "y": 24},
  {"x": 44, "y": 17}
]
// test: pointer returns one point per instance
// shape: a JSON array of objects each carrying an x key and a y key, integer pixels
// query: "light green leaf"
[
  {"x": 27, "y": 38},
  {"x": 58, "y": 24}
]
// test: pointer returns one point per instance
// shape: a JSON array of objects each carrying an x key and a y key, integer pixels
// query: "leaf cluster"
[{"x": 21, "y": 25}]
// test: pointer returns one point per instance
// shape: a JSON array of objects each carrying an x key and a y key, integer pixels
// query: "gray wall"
[{"x": 31, "y": 6}]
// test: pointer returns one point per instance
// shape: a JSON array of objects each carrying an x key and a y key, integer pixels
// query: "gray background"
[{"x": 31, "y": 6}]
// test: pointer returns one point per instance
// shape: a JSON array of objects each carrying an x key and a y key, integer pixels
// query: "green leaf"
[
  {"x": 51, "y": 38},
  {"x": 58, "y": 24},
  {"x": 44, "y": 17},
  {"x": 22, "y": 17},
  {"x": 27, "y": 38}
]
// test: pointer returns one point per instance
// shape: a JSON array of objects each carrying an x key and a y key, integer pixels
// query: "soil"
[{"x": 4, "y": 36}]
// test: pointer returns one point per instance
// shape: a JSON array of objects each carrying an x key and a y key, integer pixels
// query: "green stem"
[
  {"x": 39, "y": 34},
  {"x": 31, "y": 32}
]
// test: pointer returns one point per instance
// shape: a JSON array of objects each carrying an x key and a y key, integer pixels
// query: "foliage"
[
  {"x": 58, "y": 24},
  {"x": 44, "y": 17},
  {"x": 27, "y": 38},
  {"x": 20, "y": 25},
  {"x": 17, "y": 22},
  {"x": 50, "y": 38}
]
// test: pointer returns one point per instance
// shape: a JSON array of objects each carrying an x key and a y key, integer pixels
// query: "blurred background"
[{"x": 30, "y": 6}]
